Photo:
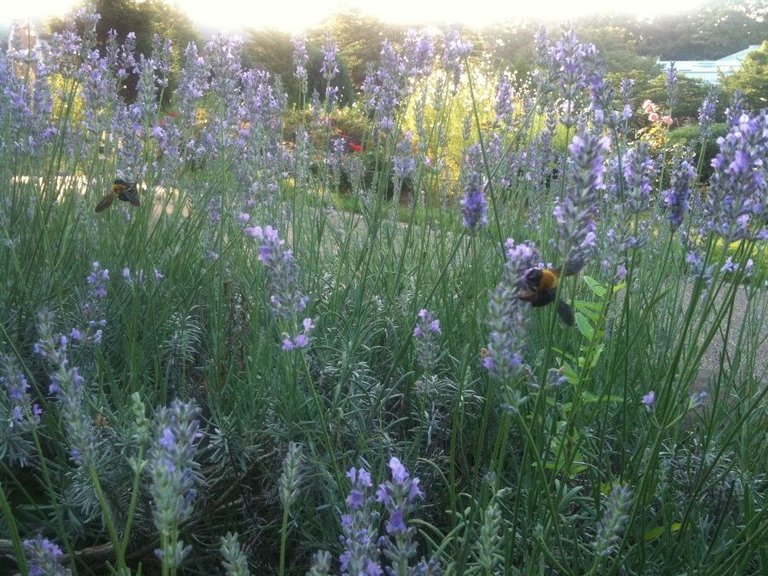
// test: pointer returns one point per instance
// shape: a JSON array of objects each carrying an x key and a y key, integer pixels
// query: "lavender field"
[{"x": 471, "y": 323}]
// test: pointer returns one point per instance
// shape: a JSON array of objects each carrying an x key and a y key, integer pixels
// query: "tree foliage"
[
  {"x": 144, "y": 19},
  {"x": 272, "y": 51},
  {"x": 688, "y": 96},
  {"x": 752, "y": 79},
  {"x": 714, "y": 31}
]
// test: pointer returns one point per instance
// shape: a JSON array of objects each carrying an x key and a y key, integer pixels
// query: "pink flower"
[
  {"x": 653, "y": 117},
  {"x": 666, "y": 120},
  {"x": 649, "y": 106}
]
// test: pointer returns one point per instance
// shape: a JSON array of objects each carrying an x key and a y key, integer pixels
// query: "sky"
[{"x": 297, "y": 15}]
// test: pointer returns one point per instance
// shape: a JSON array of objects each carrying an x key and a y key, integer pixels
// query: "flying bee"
[
  {"x": 539, "y": 287},
  {"x": 122, "y": 190}
]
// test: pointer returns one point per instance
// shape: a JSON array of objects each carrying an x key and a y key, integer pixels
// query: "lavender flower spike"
[
  {"x": 43, "y": 557},
  {"x": 575, "y": 212},
  {"x": 425, "y": 335},
  {"x": 504, "y": 356},
  {"x": 174, "y": 476},
  {"x": 19, "y": 415},
  {"x": 358, "y": 526},
  {"x": 735, "y": 206},
  {"x": 285, "y": 298},
  {"x": 676, "y": 198},
  {"x": 474, "y": 207},
  {"x": 399, "y": 496}
]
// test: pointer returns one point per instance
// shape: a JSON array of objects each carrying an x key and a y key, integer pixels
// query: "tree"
[
  {"x": 689, "y": 94},
  {"x": 272, "y": 51},
  {"x": 359, "y": 39},
  {"x": 752, "y": 79},
  {"x": 144, "y": 19},
  {"x": 511, "y": 47}
]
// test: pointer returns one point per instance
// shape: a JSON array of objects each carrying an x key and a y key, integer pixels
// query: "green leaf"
[
  {"x": 570, "y": 374},
  {"x": 596, "y": 307},
  {"x": 584, "y": 326},
  {"x": 597, "y": 288},
  {"x": 654, "y": 533},
  {"x": 589, "y": 398},
  {"x": 596, "y": 353}
]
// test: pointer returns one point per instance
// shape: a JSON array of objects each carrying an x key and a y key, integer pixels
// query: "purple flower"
[
  {"x": 93, "y": 306},
  {"x": 676, "y": 198},
  {"x": 399, "y": 473},
  {"x": 360, "y": 476},
  {"x": 606, "y": 107},
  {"x": 360, "y": 537},
  {"x": 167, "y": 439},
  {"x": 736, "y": 107},
  {"x": 707, "y": 114},
  {"x": 735, "y": 206},
  {"x": 174, "y": 473},
  {"x": 43, "y": 557},
  {"x": 300, "y": 59},
  {"x": 425, "y": 340},
  {"x": 361, "y": 551},
  {"x": 503, "y": 106},
  {"x": 419, "y": 54},
  {"x": 384, "y": 87},
  {"x": 403, "y": 161},
  {"x": 145, "y": 108},
  {"x": 638, "y": 172},
  {"x": 575, "y": 212},
  {"x": 649, "y": 400},
  {"x": 396, "y": 522},
  {"x": 399, "y": 496},
  {"x": 696, "y": 399},
  {"x": 301, "y": 340},
  {"x": 568, "y": 65},
  {"x": 98, "y": 280},
  {"x": 330, "y": 67},
  {"x": 283, "y": 273},
  {"x": 71, "y": 393},
  {"x": 355, "y": 499},
  {"x": 24, "y": 415},
  {"x": 504, "y": 356},
  {"x": 671, "y": 86},
  {"x": 456, "y": 50},
  {"x": 729, "y": 267},
  {"x": 474, "y": 207}
]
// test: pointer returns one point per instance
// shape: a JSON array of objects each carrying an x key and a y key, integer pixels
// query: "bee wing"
[
  {"x": 130, "y": 194},
  {"x": 105, "y": 202}
]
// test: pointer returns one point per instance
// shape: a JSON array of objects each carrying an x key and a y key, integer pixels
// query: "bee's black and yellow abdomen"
[
  {"x": 126, "y": 191},
  {"x": 542, "y": 298}
]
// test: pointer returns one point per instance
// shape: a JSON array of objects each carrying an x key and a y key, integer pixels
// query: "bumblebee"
[
  {"x": 122, "y": 190},
  {"x": 539, "y": 287}
]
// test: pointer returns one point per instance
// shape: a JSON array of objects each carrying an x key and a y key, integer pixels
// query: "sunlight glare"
[
  {"x": 299, "y": 15},
  {"x": 302, "y": 14}
]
